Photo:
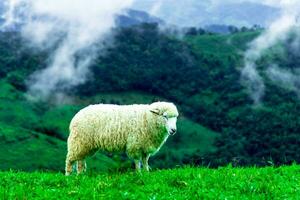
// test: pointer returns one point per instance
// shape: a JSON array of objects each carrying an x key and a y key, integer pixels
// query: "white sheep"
[{"x": 138, "y": 130}]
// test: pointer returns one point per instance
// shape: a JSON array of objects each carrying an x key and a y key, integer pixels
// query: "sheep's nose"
[{"x": 173, "y": 131}]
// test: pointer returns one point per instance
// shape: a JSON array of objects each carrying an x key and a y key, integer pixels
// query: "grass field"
[{"x": 181, "y": 183}]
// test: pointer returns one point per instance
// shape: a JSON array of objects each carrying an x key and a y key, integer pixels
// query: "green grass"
[
  {"x": 182, "y": 183},
  {"x": 19, "y": 146}
]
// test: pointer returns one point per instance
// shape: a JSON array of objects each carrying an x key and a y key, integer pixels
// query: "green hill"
[
  {"x": 201, "y": 74},
  {"x": 33, "y": 135},
  {"x": 183, "y": 183}
]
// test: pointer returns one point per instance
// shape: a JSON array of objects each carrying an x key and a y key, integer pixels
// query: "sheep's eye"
[{"x": 165, "y": 115}]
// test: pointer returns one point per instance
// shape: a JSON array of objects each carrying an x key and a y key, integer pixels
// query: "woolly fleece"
[{"x": 138, "y": 130}]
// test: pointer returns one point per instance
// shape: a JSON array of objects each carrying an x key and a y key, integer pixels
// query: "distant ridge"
[
  {"x": 135, "y": 17},
  {"x": 198, "y": 13}
]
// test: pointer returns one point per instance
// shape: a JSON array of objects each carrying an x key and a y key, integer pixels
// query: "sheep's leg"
[
  {"x": 70, "y": 159},
  {"x": 69, "y": 166},
  {"x": 137, "y": 165},
  {"x": 136, "y": 156},
  {"x": 81, "y": 166},
  {"x": 145, "y": 162}
]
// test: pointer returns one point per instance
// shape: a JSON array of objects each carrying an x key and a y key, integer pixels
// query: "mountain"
[
  {"x": 179, "y": 13},
  {"x": 201, "y": 13},
  {"x": 200, "y": 73},
  {"x": 190, "y": 13},
  {"x": 135, "y": 17},
  {"x": 246, "y": 14}
]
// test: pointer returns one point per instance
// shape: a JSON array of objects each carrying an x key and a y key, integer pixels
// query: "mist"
[
  {"x": 286, "y": 79},
  {"x": 276, "y": 32},
  {"x": 75, "y": 29}
]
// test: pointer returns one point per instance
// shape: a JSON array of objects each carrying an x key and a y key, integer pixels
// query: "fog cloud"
[
  {"x": 74, "y": 28},
  {"x": 276, "y": 32}
]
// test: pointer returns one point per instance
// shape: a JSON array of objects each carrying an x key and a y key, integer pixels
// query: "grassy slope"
[
  {"x": 23, "y": 149},
  {"x": 27, "y": 150},
  {"x": 186, "y": 183},
  {"x": 30, "y": 131}
]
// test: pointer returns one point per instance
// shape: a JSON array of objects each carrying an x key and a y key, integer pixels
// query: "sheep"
[{"x": 139, "y": 130}]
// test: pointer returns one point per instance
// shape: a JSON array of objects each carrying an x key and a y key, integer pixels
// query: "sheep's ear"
[{"x": 155, "y": 111}]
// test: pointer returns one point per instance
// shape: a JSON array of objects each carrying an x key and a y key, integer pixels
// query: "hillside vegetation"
[
  {"x": 201, "y": 74},
  {"x": 186, "y": 183}
]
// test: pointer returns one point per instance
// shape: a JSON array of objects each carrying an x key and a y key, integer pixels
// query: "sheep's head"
[{"x": 168, "y": 112}]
